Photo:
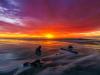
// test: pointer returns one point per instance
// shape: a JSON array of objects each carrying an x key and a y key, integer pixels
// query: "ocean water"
[{"x": 14, "y": 52}]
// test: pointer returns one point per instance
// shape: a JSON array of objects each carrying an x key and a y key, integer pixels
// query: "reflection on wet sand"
[
  {"x": 23, "y": 48},
  {"x": 13, "y": 52},
  {"x": 18, "y": 47}
]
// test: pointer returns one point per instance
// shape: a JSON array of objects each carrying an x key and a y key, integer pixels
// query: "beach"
[{"x": 13, "y": 53}]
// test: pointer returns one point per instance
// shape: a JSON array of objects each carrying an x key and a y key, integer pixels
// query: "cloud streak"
[{"x": 57, "y": 16}]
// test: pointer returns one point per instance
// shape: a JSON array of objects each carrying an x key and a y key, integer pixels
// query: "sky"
[{"x": 61, "y": 18}]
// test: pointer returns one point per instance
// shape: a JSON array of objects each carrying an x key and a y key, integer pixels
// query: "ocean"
[{"x": 14, "y": 52}]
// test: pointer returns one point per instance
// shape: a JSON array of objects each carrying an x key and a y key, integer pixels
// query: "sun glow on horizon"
[
  {"x": 19, "y": 35},
  {"x": 49, "y": 36}
]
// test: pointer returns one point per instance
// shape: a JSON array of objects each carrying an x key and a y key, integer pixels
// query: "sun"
[{"x": 49, "y": 36}]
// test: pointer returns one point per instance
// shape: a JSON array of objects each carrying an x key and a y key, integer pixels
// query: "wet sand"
[{"x": 15, "y": 52}]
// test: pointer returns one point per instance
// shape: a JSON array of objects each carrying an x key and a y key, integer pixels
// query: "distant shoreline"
[{"x": 73, "y": 40}]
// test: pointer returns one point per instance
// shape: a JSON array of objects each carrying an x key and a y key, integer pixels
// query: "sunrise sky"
[{"x": 49, "y": 18}]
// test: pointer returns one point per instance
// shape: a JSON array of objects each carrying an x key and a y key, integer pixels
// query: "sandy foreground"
[{"x": 61, "y": 63}]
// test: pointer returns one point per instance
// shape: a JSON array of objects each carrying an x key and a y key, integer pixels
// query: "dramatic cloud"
[{"x": 55, "y": 16}]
